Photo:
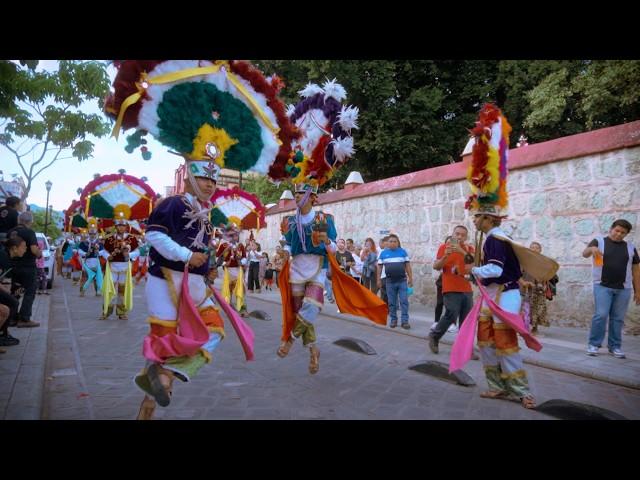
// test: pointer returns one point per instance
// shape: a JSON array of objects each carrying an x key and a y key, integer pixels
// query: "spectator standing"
[
  {"x": 269, "y": 275},
  {"x": 439, "y": 298},
  {"x": 24, "y": 268},
  {"x": 264, "y": 260},
  {"x": 356, "y": 270},
  {"x": 455, "y": 259},
  {"x": 616, "y": 270},
  {"x": 395, "y": 262},
  {"x": 41, "y": 278},
  {"x": 369, "y": 257},
  {"x": 344, "y": 257},
  {"x": 383, "y": 276},
  {"x": 253, "y": 255},
  {"x": 9, "y": 216},
  {"x": 537, "y": 294}
]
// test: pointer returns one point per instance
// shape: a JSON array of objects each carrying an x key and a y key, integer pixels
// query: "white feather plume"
[
  {"x": 348, "y": 117},
  {"x": 333, "y": 89},
  {"x": 290, "y": 109},
  {"x": 343, "y": 148},
  {"x": 310, "y": 90}
]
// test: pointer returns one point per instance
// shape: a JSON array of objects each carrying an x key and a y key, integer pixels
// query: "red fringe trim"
[
  {"x": 288, "y": 131},
  {"x": 124, "y": 85}
]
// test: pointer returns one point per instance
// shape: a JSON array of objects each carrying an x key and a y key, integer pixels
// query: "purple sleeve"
[
  {"x": 495, "y": 252},
  {"x": 167, "y": 216}
]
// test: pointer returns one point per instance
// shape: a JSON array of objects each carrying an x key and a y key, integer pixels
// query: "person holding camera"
[{"x": 455, "y": 259}]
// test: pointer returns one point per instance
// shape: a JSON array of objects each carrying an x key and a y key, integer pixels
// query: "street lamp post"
[{"x": 48, "y": 184}]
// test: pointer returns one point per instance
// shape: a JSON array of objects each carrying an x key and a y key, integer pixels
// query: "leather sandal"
[
  {"x": 160, "y": 381},
  {"x": 314, "y": 359},
  {"x": 528, "y": 401},
  {"x": 494, "y": 394},
  {"x": 284, "y": 348}
]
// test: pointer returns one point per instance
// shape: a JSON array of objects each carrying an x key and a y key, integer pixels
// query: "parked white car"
[{"x": 49, "y": 258}]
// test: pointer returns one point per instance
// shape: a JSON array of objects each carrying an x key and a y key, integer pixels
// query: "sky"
[{"x": 108, "y": 157}]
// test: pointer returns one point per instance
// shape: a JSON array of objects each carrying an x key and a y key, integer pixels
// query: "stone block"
[
  {"x": 515, "y": 181},
  {"x": 434, "y": 214},
  {"x": 633, "y": 162},
  {"x": 524, "y": 229},
  {"x": 622, "y": 195},
  {"x": 458, "y": 212},
  {"x": 519, "y": 205},
  {"x": 561, "y": 172},
  {"x": 442, "y": 194},
  {"x": 597, "y": 201},
  {"x": 547, "y": 176},
  {"x": 537, "y": 203},
  {"x": 562, "y": 227},
  {"x": 446, "y": 212},
  {"x": 582, "y": 170},
  {"x": 585, "y": 226},
  {"x": 531, "y": 179},
  {"x": 543, "y": 228},
  {"x": 455, "y": 191},
  {"x": 561, "y": 202}
]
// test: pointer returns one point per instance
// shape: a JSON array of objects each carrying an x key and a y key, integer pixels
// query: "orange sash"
[{"x": 351, "y": 297}]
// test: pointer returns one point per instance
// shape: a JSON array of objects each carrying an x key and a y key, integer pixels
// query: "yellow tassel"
[
  {"x": 239, "y": 290},
  {"x": 226, "y": 282},
  {"x": 108, "y": 289}
]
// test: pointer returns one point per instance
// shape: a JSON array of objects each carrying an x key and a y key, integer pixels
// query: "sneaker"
[
  {"x": 406, "y": 326},
  {"x": 433, "y": 344},
  {"x": 393, "y": 324},
  {"x": 592, "y": 351},
  {"x": 8, "y": 341},
  {"x": 452, "y": 328},
  {"x": 618, "y": 353},
  {"x": 27, "y": 324}
]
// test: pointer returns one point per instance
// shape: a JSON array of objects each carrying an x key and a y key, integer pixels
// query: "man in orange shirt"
[{"x": 455, "y": 259}]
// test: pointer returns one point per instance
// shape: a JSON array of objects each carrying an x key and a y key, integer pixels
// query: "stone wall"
[{"x": 560, "y": 196}]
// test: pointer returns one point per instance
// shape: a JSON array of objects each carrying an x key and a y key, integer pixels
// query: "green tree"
[
  {"x": 38, "y": 224},
  {"x": 415, "y": 114},
  {"x": 41, "y": 117},
  {"x": 265, "y": 190}
]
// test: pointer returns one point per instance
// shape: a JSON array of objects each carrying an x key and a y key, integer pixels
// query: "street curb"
[
  {"x": 26, "y": 398},
  {"x": 615, "y": 380}
]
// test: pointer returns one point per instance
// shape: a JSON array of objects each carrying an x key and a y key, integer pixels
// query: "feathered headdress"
[
  {"x": 487, "y": 174},
  {"x": 326, "y": 143},
  {"x": 118, "y": 196},
  {"x": 236, "y": 206},
  {"x": 225, "y": 112}
]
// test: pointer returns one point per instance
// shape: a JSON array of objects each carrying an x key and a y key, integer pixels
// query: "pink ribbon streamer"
[
  {"x": 463, "y": 346},
  {"x": 244, "y": 332},
  {"x": 192, "y": 331}
]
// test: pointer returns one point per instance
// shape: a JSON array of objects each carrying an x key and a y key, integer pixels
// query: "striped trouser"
[{"x": 498, "y": 344}]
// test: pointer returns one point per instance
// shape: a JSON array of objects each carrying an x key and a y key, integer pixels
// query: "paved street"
[{"x": 90, "y": 363}]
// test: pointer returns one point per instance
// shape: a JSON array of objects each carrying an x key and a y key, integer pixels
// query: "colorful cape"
[{"x": 351, "y": 297}]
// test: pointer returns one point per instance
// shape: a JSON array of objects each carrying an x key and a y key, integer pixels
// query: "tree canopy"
[
  {"x": 40, "y": 113},
  {"x": 415, "y": 114}
]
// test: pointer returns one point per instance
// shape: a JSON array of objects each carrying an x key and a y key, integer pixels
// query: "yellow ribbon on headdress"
[
  {"x": 158, "y": 80},
  {"x": 188, "y": 73}
]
